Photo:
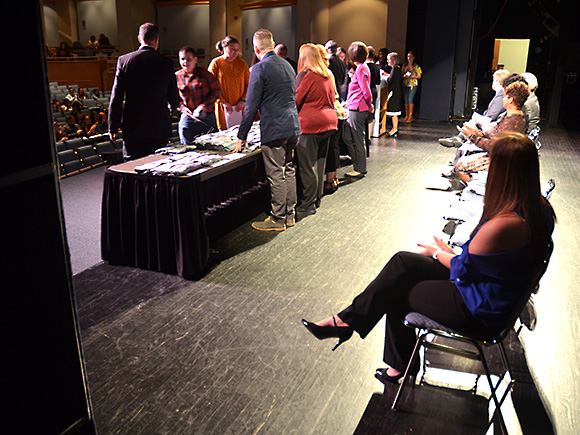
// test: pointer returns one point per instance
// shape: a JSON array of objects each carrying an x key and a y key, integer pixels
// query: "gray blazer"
[
  {"x": 531, "y": 111},
  {"x": 495, "y": 106},
  {"x": 272, "y": 93}
]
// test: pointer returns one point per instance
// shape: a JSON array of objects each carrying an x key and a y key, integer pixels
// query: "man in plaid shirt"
[{"x": 199, "y": 90}]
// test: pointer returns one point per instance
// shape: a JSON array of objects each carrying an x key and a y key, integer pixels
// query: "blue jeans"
[
  {"x": 190, "y": 128},
  {"x": 409, "y": 94}
]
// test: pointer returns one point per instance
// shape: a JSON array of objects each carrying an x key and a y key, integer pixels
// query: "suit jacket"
[
  {"x": 272, "y": 92},
  {"x": 147, "y": 82},
  {"x": 531, "y": 111},
  {"x": 338, "y": 68},
  {"x": 495, "y": 107}
]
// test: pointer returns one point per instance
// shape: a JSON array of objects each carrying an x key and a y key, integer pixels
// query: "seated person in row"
[
  {"x": 494, "y": 109},
  {"x": 531, "y": 107},
  {"x": 474, "y": 292},
  {"x": 199, "y": 90},
  {"x": 71, "y": 129},
  {"x": 515, "y": 95}
]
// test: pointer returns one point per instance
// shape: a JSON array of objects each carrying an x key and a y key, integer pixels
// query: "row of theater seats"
[{"x": 77, "y": 155}]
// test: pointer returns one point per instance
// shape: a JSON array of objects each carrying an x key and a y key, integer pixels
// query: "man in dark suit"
[
  {"x": 147, "y": 81},
  {"x": 282, "y": 51},
  {"x": 336, "y": 65}
]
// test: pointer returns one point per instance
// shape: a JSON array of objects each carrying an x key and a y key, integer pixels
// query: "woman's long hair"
[
  {"x": 513, "y": 186},
  {"x": 406, "y": 65},
  {"x": 311, "y": 59}
]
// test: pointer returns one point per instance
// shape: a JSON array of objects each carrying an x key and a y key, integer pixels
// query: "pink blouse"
[{"x": 359, "y": 90}]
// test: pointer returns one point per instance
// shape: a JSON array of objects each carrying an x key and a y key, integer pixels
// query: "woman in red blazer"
[{"x": 315, "y": 94}]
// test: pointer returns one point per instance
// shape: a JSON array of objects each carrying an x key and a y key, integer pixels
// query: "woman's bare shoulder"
[{"x": 501, "y": 233}]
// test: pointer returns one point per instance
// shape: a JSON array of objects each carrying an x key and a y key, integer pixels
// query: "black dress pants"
[
  {"x": 409, "y": 282},
  {"x": 311, "y": 153}
]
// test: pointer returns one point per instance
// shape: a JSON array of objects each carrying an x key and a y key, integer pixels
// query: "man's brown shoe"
[{"x": 269, "y": 225}]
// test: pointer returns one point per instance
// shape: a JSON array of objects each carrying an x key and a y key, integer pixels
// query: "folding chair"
[{"x": 426, "y": 326}]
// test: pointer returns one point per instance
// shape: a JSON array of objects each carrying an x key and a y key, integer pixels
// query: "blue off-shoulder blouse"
[{"x": 491, "y": 284}]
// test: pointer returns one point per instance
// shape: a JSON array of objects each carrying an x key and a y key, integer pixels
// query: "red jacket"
[{"x": 315, "y": 103}]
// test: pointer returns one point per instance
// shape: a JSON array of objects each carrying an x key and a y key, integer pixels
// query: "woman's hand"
[
  {"x": 469, "y": 130},
  {"x": 438, "y": 246},
  {"x": 228, "y": 107},
  {"x": 240, "y": 106}
]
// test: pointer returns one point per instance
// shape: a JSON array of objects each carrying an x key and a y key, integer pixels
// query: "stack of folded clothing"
[
  {"x": 226, "y": 140},
  {"x": 178, "y": 165}
]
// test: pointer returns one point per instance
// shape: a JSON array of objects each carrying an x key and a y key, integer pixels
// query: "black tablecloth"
[{"x": 165, "y": 223}]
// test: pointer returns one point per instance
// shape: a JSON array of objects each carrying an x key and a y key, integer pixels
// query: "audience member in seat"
[
  {"x": 58, "y": 132},
  {"x": 71, "y": 129},
  {"x": 93, "y": 44},
  {"x": 494, "y": 108},
  {"x": 315, "y": 94},
  {"x": 475, "y": 291},
  {"x": 199, "y": 92},
  {"x": 63, "y": 50},
  {"x": 233, "y": 74},
  {"x": 101, "y": 126},
  {"x": 143, "y": 89}
]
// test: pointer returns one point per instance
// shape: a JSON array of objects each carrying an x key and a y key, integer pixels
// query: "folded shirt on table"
[{"x": 181, "y": 164}]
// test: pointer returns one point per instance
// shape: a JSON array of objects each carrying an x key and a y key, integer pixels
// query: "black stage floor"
[{"x": 227, "y": 354}]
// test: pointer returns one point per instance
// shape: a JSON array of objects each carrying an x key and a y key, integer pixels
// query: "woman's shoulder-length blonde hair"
[{"x": 311, "y": 59}]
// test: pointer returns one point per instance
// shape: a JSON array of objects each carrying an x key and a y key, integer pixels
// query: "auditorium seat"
[
  {"x": 69, "y": 163},
  {"x": 60, "y": 146},
  {"x": 73, "y": 144},
  {"x": 88, "y": 156}
]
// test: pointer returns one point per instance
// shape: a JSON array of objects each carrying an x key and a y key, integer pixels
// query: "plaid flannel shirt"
[{"x": 199, "y": 88}]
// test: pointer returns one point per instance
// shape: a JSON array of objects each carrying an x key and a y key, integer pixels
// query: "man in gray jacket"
[
  {"x": 494, "y": 108},
  {"x": 272, "y": 93}
]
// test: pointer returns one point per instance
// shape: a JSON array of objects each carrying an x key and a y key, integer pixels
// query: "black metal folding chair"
[{"x": 426, "y": 326}]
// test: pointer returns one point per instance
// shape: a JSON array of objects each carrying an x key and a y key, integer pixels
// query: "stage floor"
[{"x": 227, "y": 354}]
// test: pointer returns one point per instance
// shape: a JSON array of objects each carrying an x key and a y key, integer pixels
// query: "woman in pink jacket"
[{"x": 359, "y": 103}]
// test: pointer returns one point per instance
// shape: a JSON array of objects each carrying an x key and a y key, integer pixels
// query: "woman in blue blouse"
[{"x": 475, "y": 291}]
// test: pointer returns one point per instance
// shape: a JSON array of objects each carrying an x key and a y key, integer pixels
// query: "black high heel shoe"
[
  {"x": 393, "y": 134},
  {"x": 381, "y": 375},
  {"x": 343, "y": 333}
]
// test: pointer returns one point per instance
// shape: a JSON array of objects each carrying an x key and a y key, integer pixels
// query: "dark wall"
[
  {"x": 551, "y": 26},
  {"x": 45, "y": 384},
  {"x": 438, "y": 55}
]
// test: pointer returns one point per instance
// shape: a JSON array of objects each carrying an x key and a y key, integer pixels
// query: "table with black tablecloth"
[{"x": 165, "y": 223}]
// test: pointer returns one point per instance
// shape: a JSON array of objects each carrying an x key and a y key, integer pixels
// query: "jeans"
[
  {"x": 409, "y": 94},
  {"x": 190, "y": 128}
]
